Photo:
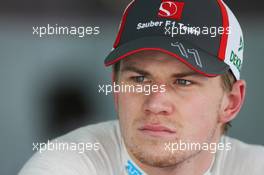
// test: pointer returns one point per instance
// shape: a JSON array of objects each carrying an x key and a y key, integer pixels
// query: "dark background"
[{"x": 49, "y": 85}]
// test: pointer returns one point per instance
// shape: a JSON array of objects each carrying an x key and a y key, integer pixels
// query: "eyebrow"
[
  {"x": 146, "y": 73},
  {"x": 135, "y": 69},
  {"x": 186, "y": 74}
]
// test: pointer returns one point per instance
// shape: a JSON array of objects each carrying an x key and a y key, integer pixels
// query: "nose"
[{"x": 158, "y": 103}]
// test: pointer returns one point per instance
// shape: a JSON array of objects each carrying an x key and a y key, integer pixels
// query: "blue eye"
[
  {"x": 138, "y": 79},
  {"x": 183, "y": 82}
]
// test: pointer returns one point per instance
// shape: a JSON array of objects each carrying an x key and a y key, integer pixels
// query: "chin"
[
  {"x": 156, "y": 158},
  {"x": 153, "y": 153}
]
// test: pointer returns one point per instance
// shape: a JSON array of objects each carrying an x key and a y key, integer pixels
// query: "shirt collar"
[{"x": 129, "y": 167}]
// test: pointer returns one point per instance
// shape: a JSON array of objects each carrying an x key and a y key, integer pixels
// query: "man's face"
[{"x": 187, "y": 111}]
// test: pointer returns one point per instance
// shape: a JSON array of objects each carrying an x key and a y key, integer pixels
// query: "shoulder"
[
  {"x": 243, "y": 158},
  {"x": 88, "y": 150},
  {"x": 244, "y": 150}
]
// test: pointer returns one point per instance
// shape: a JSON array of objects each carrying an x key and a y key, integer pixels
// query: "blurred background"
[{"x": 49, "y": 85}]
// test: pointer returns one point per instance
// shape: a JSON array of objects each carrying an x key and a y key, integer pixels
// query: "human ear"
[
  {"x": 233, "y": 101},
  {"x": 115, "y": 94},
  {"x": 116, "y": 101}
]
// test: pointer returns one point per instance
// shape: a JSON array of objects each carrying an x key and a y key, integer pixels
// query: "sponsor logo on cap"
[
  {"x": 171, "y": 9},
  {"x": 188, "y": 53},
  {"x": 241, "y": 44},
  {"x": 235, "y": 58}
]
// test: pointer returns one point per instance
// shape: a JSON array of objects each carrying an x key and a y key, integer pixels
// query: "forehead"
[{"x": 148, "y": 59}]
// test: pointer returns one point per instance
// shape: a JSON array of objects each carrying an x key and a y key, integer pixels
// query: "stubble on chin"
[{"x": 152, "y": 152}]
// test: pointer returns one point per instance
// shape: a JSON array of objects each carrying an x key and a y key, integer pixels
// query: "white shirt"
[{"x": 112, "y": 158}]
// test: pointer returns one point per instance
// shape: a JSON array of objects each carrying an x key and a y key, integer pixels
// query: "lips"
[{"x": 157, "y": 130}]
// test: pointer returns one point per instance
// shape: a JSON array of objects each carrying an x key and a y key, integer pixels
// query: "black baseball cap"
[{"x": 205, "y": 35}]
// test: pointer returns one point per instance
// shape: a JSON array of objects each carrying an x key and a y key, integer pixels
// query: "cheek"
[
  {"x": 129, "y": 108},
  {"x": 199, "y": 114}
]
